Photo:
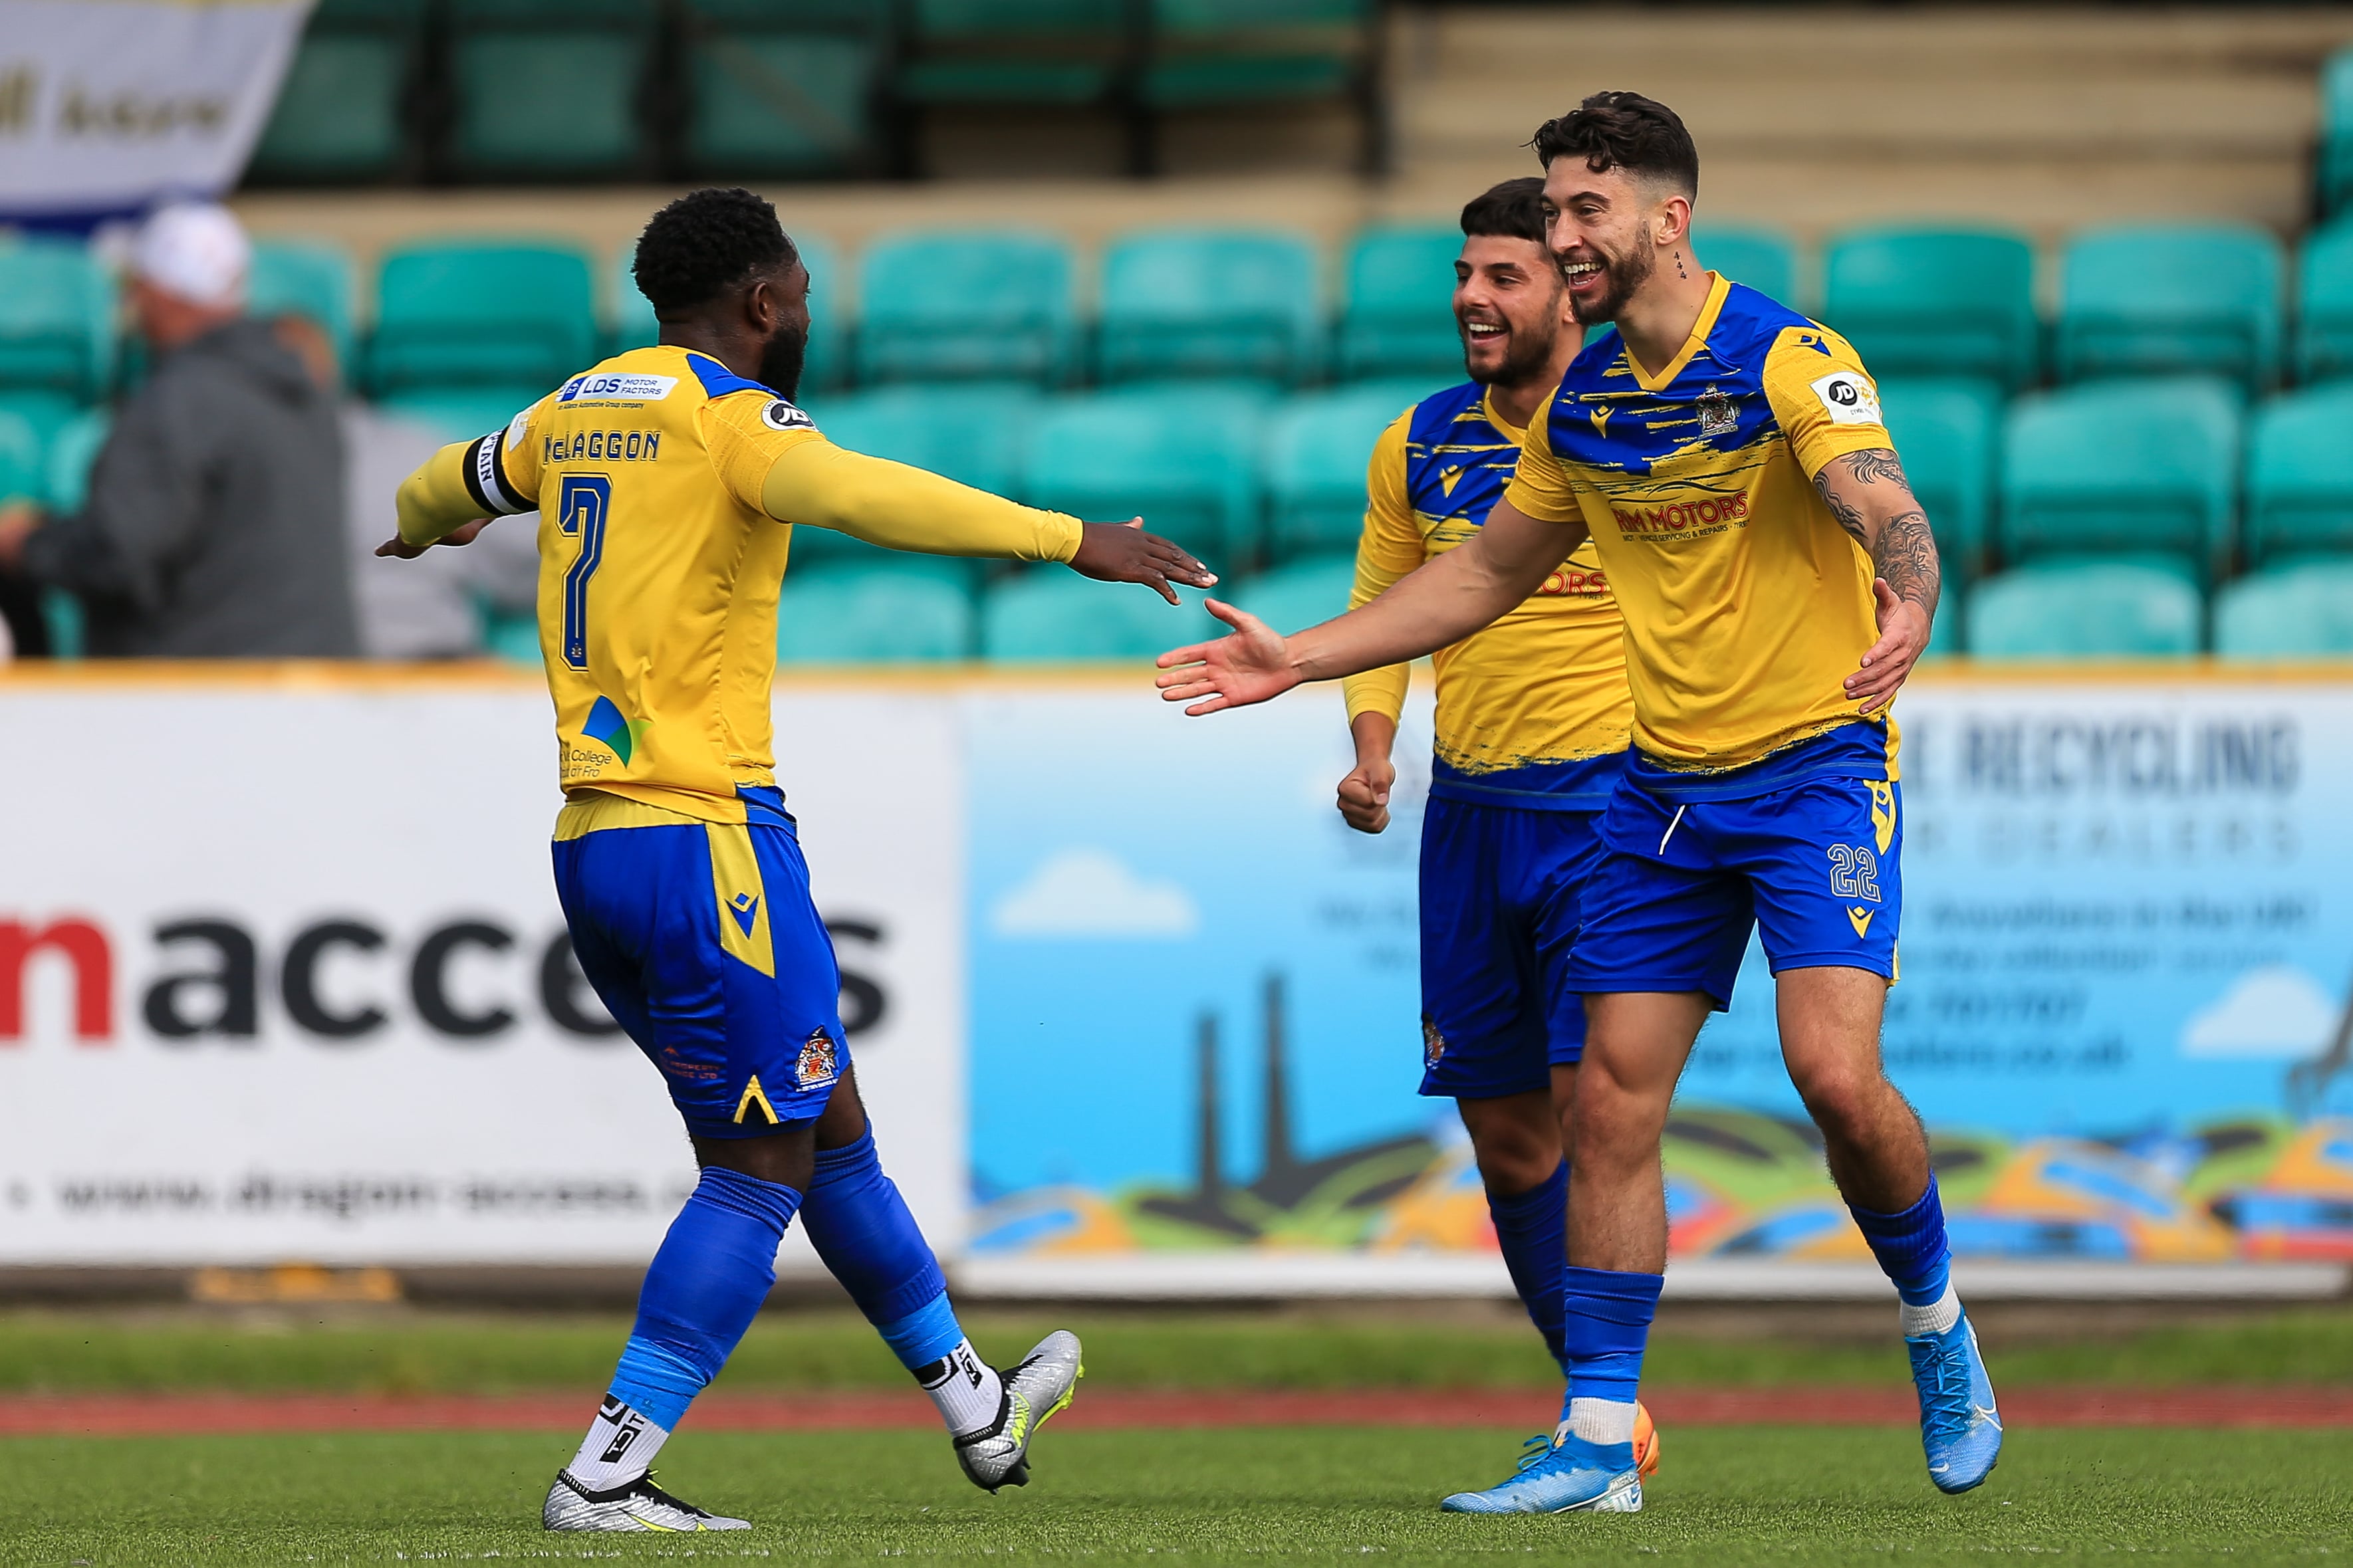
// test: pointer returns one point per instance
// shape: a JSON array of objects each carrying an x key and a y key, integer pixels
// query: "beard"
[
  {"x": 1620, "y": 276},
  {"x": 781, "y": 358},
  {"x": 1527, "y": 355}
]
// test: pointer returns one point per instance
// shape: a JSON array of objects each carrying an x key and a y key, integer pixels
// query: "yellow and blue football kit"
[
  {"x": 1533, "y": 714},
  {"x": 1755, "y": 794},
  {"x": 667, "y": 489}
]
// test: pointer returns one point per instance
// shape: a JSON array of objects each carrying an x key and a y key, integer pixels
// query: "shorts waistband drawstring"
[{"x": 1677, "y": 821}]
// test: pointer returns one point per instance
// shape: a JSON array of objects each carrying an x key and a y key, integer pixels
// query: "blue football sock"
[
  {"x": 1911, "y": 1248},
  {"x": 1609, "y": 1323},
  {"x": 861, "y": 1229},
  {"x": 1529, "y": 1228},
  {"x": 712, "y": 1272}
]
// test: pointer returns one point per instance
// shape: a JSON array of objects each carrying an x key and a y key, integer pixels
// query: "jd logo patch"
[{"x": 782, "y": 416}]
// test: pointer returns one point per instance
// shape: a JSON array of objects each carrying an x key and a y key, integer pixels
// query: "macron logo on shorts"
[{"x": 746, "y": 908}]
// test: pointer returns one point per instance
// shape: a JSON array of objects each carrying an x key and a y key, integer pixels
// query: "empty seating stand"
[
  {"x": 1303, "y": 593},
  {"x": 2296, "y": 609},
  {"x": 2172, "y": 300},
  {"x": 1397, "y": 317},
  {"x": 1024, "y": 54},
  {"x": 1047, "y": 614},
  {"x": 973, "y": 306},
  {"x": 341, "y": 114},
  {"x": 2086, "y": 608},
  {"x": 1315, "y": 464},
  {"x": 1760, "y": 258},
  {"x": 1940, "y": 303},
  {"x": 1210, "y": 303},
  {"x": 973, "y": 434},
  {"x": 871, "y": 614},
  {"x": 1186, "y": 459},
  {"x": 57, "y": 320},
  {"x": 2140, "y": 466},
  {"x": 2336, "y": 167},
  {"x": 552, "y": 89},
  {"x": 520, "y": 316},
  {"x": 1219, "y": 54},
  {"x": 2324, "y": 304},
  {"x": 2300, "y": 475},
  {"x": 1949, "y": 434},
  {"x": 784, "y": 91}
]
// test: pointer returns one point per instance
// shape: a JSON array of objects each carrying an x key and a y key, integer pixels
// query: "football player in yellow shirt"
[
  {"x": 1727, "y": 457},
  {"x": 1533, "y": 714},
  {"x": 667, "y": 481}
]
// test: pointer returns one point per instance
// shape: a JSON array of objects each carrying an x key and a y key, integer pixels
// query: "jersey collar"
[
  {"x": 1719, "y": 288},
  {"x": 1517, "y": 435}
]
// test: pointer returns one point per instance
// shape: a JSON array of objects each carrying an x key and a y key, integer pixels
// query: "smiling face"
[
  {"x": 1607, "y": 231},
  {"x": 1507, "y": 303}
]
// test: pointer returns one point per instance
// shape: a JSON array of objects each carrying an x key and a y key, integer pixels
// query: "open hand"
[
  {"x": 1903, "y": 638},
  {"x": 399, "y": 548},
  {"x": 1123, "y": 553},
  {"x": 1251, "y": 664}
]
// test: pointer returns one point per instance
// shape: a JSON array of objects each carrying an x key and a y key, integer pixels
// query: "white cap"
[{"x": 196, "y": 251}]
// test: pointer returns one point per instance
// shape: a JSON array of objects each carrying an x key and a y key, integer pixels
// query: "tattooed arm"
[{"x": 1869, "y": 495}]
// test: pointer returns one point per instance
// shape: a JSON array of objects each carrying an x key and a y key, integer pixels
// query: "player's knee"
[
  {"x": 1840, "y": 1098},
  {"x": 1515, "y": 1141}
]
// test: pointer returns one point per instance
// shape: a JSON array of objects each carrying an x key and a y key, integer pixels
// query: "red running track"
[{"x": 119, "y": 1415}]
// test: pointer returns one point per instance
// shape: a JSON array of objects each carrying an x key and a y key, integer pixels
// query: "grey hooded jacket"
[{"x": 213, "y": 527}]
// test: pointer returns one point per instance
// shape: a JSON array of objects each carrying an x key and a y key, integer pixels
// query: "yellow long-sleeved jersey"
[
  {"x": 1747, "y": 604},
  {"x": 1533, "y": 710},
  {"x": 668, "y": 488}
]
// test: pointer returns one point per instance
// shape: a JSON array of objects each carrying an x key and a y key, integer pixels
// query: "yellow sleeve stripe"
[{"x": 743, "y": 899}]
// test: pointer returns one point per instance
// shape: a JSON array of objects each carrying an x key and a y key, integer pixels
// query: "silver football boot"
[
  {"x": 1034, "y": 1392},
  {"x": 633, "y": 1505}
]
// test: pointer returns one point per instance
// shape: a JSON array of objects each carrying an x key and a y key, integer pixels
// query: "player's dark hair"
[
  {"x": 1624, "y": 130},
  {"x": 1512, "y": 210},
  {"x": 706, "y": 243}
]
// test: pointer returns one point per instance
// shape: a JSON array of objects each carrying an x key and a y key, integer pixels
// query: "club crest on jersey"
[
  {"x": 782, "y": 416},
  {"x": 1717, "y": 414},
  {"x": 820, "y": 1063},
  {"x": 1433, "y": 1044}
]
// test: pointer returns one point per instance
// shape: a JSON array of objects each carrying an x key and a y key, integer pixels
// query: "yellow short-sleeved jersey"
[
  {"x": 1747, "y": 604},
  {"x": 667, "y": 487},
  {"x": 1533, "y": 710}
]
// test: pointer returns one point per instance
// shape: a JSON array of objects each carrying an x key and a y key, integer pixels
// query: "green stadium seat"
[
  {"x": 634, "y": 325},
  {"x": 972, "y": 433},
  {"x": 340, "y": 115},
  {"x": 1186, "y": 458},
  {"x": 992, "y": 305},
  {"x": 2300, "y": 474},
  {"x": 23, "y": 476},
  {"x": 2296, "y": 609},
  {"x": 1937, "y": 303},
  {"x": 550, "y": 89},
  {"x": 1209, "y": 302},
  {"x": 1316, "y": 463},
  {"x": 1949, "y": 434},
  {"x": 2335, "y": 168},
  {"x": 512, "y": 635},
  {"x": 784, "y": 91},
  {"x": 1399, "y": 318},
  {"x": 2168, "y": 299},
  {"x": 1762, "y": 258},
  {"x": 460, "y": 315},
  {"x": 1048, "y": 615},
  {"x": 2123, "y": 465},
  {"x": 1212, "y": 54},
  {"x": 46, "y": 412},
  {"x": 2324, "y": 304},
  {"x": 73, "y": 450},
  {"x": 871, "y": 615},
  {"x": 1303, "y": 593},
  {"x": 57, "y": 318},
  {"x": 2086, "y": 608},
  {"x": 308, "y": 279},
  {"x": 460, "y": 414},
  {"x": 1023, "y": 53}
]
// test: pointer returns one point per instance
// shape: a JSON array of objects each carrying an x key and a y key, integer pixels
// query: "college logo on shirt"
[{"x": 782, "y": 416}]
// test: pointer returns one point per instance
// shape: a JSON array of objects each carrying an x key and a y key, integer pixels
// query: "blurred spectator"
[{"x": 215, "y": 523}]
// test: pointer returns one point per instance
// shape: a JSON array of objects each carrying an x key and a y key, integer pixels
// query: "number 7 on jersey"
[{"x": 581, "y": 507}]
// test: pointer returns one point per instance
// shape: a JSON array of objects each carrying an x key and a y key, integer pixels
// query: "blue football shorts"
[
  {"x": 1502, "y": 889},
  {"x": 1815, "y": 866},
  {"x": 702, "y": 942}
]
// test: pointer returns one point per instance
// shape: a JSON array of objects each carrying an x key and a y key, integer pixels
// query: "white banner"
[
  {"x": 109, "y": 105},
  {"x": 282, "y": 976}
]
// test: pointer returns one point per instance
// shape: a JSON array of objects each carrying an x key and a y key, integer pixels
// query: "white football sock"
[
  {"x": 621, "y": 1443},
  {"x": 1935, "y": 1318},
  {"x": 965, "y": 1389},
  {"x": 1601, "y": 1421}
]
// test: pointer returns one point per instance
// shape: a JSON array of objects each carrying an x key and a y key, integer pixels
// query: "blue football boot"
[
  {"x": 1960, "y": 1428},
  {"x": 1562, "y": 1474}
]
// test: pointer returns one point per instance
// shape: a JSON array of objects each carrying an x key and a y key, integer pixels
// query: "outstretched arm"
[
  {"x": 1428, "y": 609},
  {"x": 1873, "y": 500},
  {"x": 818, "y": 483}
]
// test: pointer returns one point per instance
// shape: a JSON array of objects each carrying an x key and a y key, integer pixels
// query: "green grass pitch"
[{"x": 1728, "y": 1497}]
